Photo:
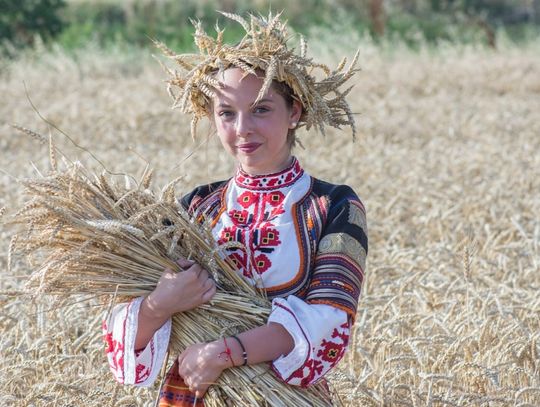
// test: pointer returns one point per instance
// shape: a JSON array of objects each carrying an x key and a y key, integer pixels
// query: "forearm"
[
  {"x": 262, "y": 344},
  {"x": 149, "y": 321}
]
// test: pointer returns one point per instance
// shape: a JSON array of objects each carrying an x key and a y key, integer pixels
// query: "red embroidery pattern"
[
  {"x": 239, "y": 218},
  {"x": 262, "y": 263},
  {"x": 239, "y": 259},
  {"x": 279, "y": 179},
  {"x": 253, "y": 227},
  {"x": 331, "y": 351},
  {"x": 228, "y": 235},
  {"x": 323, "y": 357},
  {"x": 274, "y": 198},
  {"x": 115, "y": 351},
  {"x": 247, "y": 199},
  {"x": 142, "y": 373},
  {"x": 269, "y": 237},
  {"x": 308, "y": 373}
]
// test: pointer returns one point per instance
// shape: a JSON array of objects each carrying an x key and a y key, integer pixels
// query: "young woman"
[{"x": 304, "y": 241}]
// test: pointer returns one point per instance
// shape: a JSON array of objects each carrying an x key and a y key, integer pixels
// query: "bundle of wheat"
[{"x": 91, "y": 236}]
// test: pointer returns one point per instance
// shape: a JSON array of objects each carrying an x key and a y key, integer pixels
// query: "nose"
[{"x": 244, "y": 125}]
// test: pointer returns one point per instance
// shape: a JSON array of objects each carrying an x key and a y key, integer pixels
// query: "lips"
[{"x": 248, "y": 147}]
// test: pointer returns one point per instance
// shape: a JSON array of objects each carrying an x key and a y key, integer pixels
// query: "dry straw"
[{"x": 93, "y": 237}]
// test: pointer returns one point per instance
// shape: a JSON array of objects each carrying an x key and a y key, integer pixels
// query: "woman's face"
[{"x": 256, "y": 135}]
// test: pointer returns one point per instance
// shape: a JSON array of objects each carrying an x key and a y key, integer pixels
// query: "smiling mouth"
[{"x": 248, "y": 147}]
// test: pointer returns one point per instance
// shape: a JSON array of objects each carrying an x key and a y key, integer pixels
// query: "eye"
[
  {"x": 261, "y": 109},
  {"x": 226, "y": 113}
]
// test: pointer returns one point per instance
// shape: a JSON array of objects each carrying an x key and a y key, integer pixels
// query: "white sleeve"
[
  {"x": 129, "y": 366},
  {"x": 321, "y": 335}
]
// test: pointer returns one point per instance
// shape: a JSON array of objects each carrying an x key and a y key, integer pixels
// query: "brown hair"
[{"x": 286, "y": 92}]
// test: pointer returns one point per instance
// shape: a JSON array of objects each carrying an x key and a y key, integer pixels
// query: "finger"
[
  {"x": 185, "y": 263},
  {"x": 208, "y": 284},
  {"x": 167, "y": 272},
  {"x": 180, "y": 361},
  {"x": 199, "y": 389},
  {"x": 200, "y": 393},
  {"x": 209, "y": 294},
  {"x": 188, "y": 276},
  {"x": 202, "y": 389},
  {"x": 202, "y": 274}
]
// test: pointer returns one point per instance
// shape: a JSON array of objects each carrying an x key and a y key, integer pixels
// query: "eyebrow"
[{"x": 264, "y": 100}]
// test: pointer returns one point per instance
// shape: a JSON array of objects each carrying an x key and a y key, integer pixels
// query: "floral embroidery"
[
  {"x": 274, "y": 198},
  {"x": 142, "y": 372},
  {"x": 114, "y": 349},
  {"x": 262, "y": 263},
  {"x": 323, "y": 357},
  {"x": 130, "y": 365},
  {"x": 247, "y": 199},
  {"x": 228, "y": 234},
  {"x": 254, "y": 223},
  {"x": 269, "y": 237},
  {"x": 108, "y": 340},
  {"x": 331, "y": 351},
  {"x": 314, "y": 369},
  {"x": 239, "y": 260},
  {"x": 274, "y": 213},
  {"x": 344, "y": 334},
  {"x": 239, "y": 218},
  {"x": 280, "y": 179}
]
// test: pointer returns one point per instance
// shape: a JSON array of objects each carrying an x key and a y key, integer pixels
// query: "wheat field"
[{"x": 447, "y": 163}]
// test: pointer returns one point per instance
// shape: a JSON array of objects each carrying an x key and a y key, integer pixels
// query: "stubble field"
[{"x": 447, "y": 164}]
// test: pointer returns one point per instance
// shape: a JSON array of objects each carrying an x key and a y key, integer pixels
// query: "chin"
[{"x": 254, "y": 166}]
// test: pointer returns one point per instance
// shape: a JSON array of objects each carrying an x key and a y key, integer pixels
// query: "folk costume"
[
  {"x": 305, "y": 243},
  {"x": 302, "y": 240}
]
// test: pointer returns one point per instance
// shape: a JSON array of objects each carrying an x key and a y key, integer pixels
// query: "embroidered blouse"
[{"x": 304, "y": 241}]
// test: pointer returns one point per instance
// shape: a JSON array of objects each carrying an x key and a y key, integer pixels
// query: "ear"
[{"x": 296, "y": 112}]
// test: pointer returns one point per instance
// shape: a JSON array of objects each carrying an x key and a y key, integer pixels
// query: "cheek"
[
  {"x": 225, "y": 133},
  {"x": 277, "y": 133}
]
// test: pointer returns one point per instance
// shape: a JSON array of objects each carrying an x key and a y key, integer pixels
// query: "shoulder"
[
  {"x": 337, "y": 195},
  {"x": 201, "y": 192},
  {"x": 343, "y": 210}
]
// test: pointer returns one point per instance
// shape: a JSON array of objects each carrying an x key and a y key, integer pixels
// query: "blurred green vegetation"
[
  {"x": 21, "y": 21},
  {"x": 75, "y": 23}
]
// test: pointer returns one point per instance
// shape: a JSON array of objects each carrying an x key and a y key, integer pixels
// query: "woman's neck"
[{"x": 255, "y": 172}]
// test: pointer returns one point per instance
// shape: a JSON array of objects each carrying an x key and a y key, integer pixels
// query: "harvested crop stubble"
[{"x": 90, "y": 236}]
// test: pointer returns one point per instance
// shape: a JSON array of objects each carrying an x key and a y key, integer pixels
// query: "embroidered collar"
[{"x": 276, "y": 180}]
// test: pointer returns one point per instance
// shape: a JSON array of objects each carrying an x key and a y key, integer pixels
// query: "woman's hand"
[
  {"x": 200, "y": 365},
  {"x": 177, "y": 292}
]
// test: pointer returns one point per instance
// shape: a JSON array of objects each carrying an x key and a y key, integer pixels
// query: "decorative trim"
[
  {"x": 128, "y": 340},
  {"x": 309, "y": 347},
  {"x": 272, "y": 181}
]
